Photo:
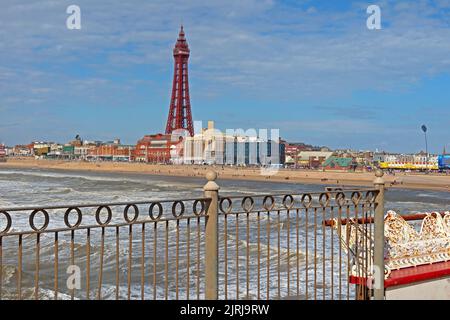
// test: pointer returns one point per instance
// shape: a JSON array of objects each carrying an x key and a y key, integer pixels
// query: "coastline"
[{"x": 400, "y": 180}]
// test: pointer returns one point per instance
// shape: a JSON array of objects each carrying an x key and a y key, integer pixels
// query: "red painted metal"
[
  {"x": 419, "y": 273},
  {"x": 412, "y": 274},
  {"x": 180, "y": 116}
]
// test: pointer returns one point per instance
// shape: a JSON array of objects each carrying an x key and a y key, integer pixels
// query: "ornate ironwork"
[
  {"x": 269, "y": 246},
  {"x": 407, "y": 247}
]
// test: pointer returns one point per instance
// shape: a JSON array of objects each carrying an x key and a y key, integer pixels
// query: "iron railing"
[{"x": 268, "y": 246}]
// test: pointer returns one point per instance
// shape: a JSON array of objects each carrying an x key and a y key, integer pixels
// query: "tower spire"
[{"x": 180, "y": 116}]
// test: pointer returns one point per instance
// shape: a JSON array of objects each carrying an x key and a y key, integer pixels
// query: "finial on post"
[
  {"x": 379, "y": 177},
  {"x": 211, "y": 185},
  {"x": 211, "y": 175}
]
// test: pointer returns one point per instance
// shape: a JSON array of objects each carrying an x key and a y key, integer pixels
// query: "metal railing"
[{"x": 269, "y": 246}]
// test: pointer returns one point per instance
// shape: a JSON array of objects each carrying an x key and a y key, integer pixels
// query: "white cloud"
[
  {"x": 245, "y": 44},
  {"x": 264, "y": 49}
]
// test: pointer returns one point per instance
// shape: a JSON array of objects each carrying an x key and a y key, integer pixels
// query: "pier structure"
[
  {"x": 215, "y": 246},
  {"x": 337, "y": 244}
]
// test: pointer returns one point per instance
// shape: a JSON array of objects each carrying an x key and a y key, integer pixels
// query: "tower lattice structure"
[{"x": 180, "y": 116}]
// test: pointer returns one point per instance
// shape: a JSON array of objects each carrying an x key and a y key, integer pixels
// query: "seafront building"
[
  {"x": 211, "y": 146},
  {"x": 22, "y": 151},
  {"x": 340, "y": 163},
  {"x": 419, "y": 161},
  {"x": 293, "y": 149},
  {"x": 111, "y": 152},
  {"x": 2, "y": 152},
  {"x": 42, "y": 148},
  {"x": 156, "y": 148},
  {"x": 78, "y": 150},
  {"x": 312, "y": 159},
  {"x": 82, "y": 152}
]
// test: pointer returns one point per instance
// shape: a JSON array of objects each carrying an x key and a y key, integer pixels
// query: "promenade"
[{"x": 437, "y": 182}]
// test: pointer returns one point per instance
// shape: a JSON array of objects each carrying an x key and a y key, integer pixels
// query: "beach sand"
[{"x": 438, "y": 182}]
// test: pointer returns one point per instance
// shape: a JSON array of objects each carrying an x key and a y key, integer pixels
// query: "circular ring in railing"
[
  {"x": 356, "y": 197},
  {"x": 340, "y": 199},
  {"x": 288, "y": 204},
  {"x": 202, "y": 208},
  {"x": 324, "y": 200},
  {"x": 306, "y": 200},
  {"x": 247, "y": 204},
  {"x": 266, "y": 205},
  {"x": 46, "y": 220},
  {"x": 66, "y": 217},
  {"x": 136, "y": 213},
  {"x": 97, "y": 215},
  {"x": 230, "y": 205},
  {"x": 8, "y": 222},
  {"x": 160, "y": 211},
  {"x": 174, "y": 209},
  {"x": 370, "y": 196}
]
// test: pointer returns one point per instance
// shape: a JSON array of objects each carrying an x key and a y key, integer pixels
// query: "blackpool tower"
[{"x": 180, "y": 116}]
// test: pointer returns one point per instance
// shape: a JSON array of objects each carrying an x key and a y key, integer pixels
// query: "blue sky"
[{"x": 310, "y": 68}]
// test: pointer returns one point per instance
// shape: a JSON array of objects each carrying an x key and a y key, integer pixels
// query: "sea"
[{"x": 43, "y": 187}]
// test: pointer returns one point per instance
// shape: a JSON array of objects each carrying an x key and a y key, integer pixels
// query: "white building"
[
  {"x": 212, "y": 146},
  {"x": 81, "y": 151}
]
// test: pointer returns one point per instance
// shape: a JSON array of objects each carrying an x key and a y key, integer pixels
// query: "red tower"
[{"x": 180, "y": 116}]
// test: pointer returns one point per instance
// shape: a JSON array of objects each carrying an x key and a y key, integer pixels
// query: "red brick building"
[
  {"x": 23, "y": 150},
  {"x": 292, "y": 151},
  {"x": 111, "y": 152},
  {"x": 155, "y": 148}
]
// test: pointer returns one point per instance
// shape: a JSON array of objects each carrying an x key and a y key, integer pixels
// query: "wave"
[{"x": 58, "y": 190}]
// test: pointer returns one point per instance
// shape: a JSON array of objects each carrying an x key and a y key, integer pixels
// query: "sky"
[{"x": 311, "y": 69}]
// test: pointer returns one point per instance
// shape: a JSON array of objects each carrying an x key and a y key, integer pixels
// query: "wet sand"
[{"x": 438, "y": 182}]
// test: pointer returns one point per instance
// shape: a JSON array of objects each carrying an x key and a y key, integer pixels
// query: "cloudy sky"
[{"x": 310, "y": 68}]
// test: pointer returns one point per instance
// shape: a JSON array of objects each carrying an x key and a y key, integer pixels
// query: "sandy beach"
[{"x": 438, "y": 182}]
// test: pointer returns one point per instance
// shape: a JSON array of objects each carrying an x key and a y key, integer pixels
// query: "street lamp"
[{"x": 424, "y": 129}]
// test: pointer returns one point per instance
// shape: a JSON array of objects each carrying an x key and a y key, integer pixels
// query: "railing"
[{"x": 271, "y": 246}]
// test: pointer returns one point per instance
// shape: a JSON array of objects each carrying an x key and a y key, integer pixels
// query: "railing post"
[
  {"x": 211, "y": 190},
  {"x": 378, "y": 259}
]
